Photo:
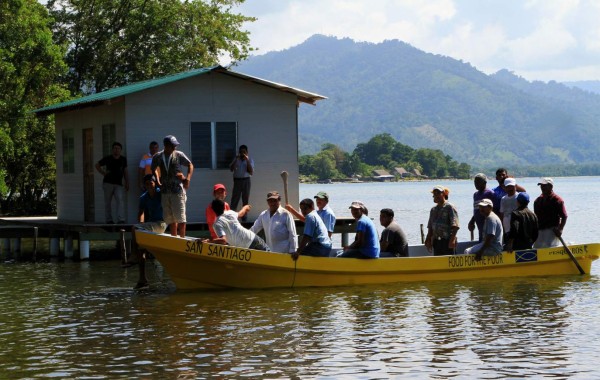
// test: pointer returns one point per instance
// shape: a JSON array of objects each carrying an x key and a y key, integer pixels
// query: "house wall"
[
  {"x": 267, "y": 124},
  {"x": 70, "y": 186}
]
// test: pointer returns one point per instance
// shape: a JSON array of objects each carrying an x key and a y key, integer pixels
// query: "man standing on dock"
[
  {"x": 551, "y": 213},
  {"x": 242, "y": 167},
  {"x": 114, "y": 169},
  {"x": 145, "y": 166},
  {"x": 173, "y": 183}
]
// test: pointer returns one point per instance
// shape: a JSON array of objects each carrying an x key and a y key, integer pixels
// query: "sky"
[{"x": 536, "y": 39}]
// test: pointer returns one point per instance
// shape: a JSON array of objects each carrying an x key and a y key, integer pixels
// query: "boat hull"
[{"x": 192, "y": 264}]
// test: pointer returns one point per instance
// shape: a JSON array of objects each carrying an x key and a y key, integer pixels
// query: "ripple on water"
[{"x": 60, "y": 322}]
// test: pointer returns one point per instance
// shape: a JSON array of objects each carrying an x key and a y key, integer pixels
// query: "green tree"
[
  {"x": 30, "y": 66},
  {"x": 324, "y": 165},
  {"x": 115, "y": 42}
]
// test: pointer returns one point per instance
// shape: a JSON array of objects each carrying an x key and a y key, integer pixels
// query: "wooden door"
[{"x": 89, "y": 210}]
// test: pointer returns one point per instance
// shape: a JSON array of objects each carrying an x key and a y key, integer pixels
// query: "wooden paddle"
[
  {"x": 284, "y": 176},
  {"x": 581, "y": 271}
]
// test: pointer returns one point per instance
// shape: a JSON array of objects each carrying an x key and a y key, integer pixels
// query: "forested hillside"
[{"x": 432, "y": 101}]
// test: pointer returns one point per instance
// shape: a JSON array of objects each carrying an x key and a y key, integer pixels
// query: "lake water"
[{"x": 82, "y": 320}]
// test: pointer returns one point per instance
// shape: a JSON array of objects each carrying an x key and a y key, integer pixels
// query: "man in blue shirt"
[
  {"x": 482, "y": 192},
  {"x": 325, "y": 212},
  {"x": 366, "y": 244},
  {"x": 315, "y": 239},
  {"x": 150, "y": 216}
]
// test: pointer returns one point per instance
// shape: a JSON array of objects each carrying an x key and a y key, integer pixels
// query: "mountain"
[
  {"x": 587, "y": 85},
  {"x": 432, "y": 101}
]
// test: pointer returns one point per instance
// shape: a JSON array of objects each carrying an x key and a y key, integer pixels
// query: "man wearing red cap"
[{"x": 219, "y": 192}]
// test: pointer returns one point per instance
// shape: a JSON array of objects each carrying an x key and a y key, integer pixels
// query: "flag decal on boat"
[{"x": 526, "y": 256}]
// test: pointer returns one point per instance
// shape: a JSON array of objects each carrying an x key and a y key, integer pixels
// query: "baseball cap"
[
  {"x": 218, "y": 186},
  {"x": 546, "y": 181},
  {"x": 510, "y": 182},
  {"x": 523, "y": 198},
  {"x": 322, "y": 195},
  {"x": 481, "y": 176},
  {"x": 485, "y": 202},
  {"x": 439, "y": 188},
  {"x": 171, "y": 140},
  {"x": 273, "y": 195}
]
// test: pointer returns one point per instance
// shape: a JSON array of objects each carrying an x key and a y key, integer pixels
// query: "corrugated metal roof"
[{"x": 106, "y": 96}]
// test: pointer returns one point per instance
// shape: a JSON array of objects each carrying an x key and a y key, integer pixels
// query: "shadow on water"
[{"x": 75, "y": 320}]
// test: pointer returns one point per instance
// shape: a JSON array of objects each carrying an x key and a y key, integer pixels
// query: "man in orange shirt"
[{"x": 219, "y": 192}]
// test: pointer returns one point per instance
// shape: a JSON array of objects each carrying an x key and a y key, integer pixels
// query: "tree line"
[
  {"x": 380, "y": 152},
  {"x": 70, "y": 48}
]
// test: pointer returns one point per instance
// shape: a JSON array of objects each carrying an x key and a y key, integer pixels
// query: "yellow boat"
[{"x": 193, "y": 264}]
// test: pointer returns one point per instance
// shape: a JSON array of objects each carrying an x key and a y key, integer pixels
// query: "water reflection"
[{"x": 64, "y": 320}]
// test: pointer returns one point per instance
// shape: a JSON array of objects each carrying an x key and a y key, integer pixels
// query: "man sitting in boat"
[
  {"x": 551, "y": 213},
  {"x": 219, "y": 192},
  {"x": 442, "y": 226},
  {"x": 278, "y": 224},
  {"x": 315, "y": 239},
  {"x": 366, "y": 244},
  {"x": 393, "y": 241},
  {"x": 230, "y": 231},
  {"x": 324, "y": 211},
  {"x": 492, "y": 233},
  {"x": 523, "y": 226}
]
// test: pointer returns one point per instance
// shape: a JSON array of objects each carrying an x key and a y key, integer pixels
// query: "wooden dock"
[{"x": 70, "y": 234}]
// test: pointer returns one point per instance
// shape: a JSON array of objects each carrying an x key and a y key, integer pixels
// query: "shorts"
[{"x": 174, "y": 207}]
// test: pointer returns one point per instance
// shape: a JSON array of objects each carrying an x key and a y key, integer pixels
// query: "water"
[{"x": 82, "y": 320}]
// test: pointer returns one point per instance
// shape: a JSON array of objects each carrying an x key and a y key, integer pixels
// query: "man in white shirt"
[
  {"x": 508, "y": 204},
  {"x": 278, "y": 224},
  {"x": 231, "y": 232}
]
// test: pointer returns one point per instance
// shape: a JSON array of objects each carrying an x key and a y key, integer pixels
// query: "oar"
[
  {"x": 581, "y": 271},
  {"x": 422, "y": 235},
  {"x": 284, "y": 176}
]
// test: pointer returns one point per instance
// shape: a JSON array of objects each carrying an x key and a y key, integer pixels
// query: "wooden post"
[
  {"x": 35, "y": 243},
  {"x": 123, "y": 247},
  {"x": 69, "y": 247},
  {"x": 54, "y": 246}
]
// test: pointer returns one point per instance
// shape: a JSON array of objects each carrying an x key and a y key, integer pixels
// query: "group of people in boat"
[{"x": 501, "y": 216}]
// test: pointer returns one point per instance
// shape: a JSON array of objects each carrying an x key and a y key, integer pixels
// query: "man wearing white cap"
[
  {"x": 492, "y": 233},
  {"x": 366, "y": 242},
  {"x": 508, "y": 203},
  {"x": 173, "y": 183},
  {"x": 442, "y": 226},
  {"x": 551, "y": 213}
]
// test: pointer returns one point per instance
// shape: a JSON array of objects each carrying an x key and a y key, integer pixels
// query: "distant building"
[
  {"x": 211, "y": 111},
  {"x": 403, "y": 173},
  {"x": 382, "y": 175},
  {"x": 418, "y": 174}
]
